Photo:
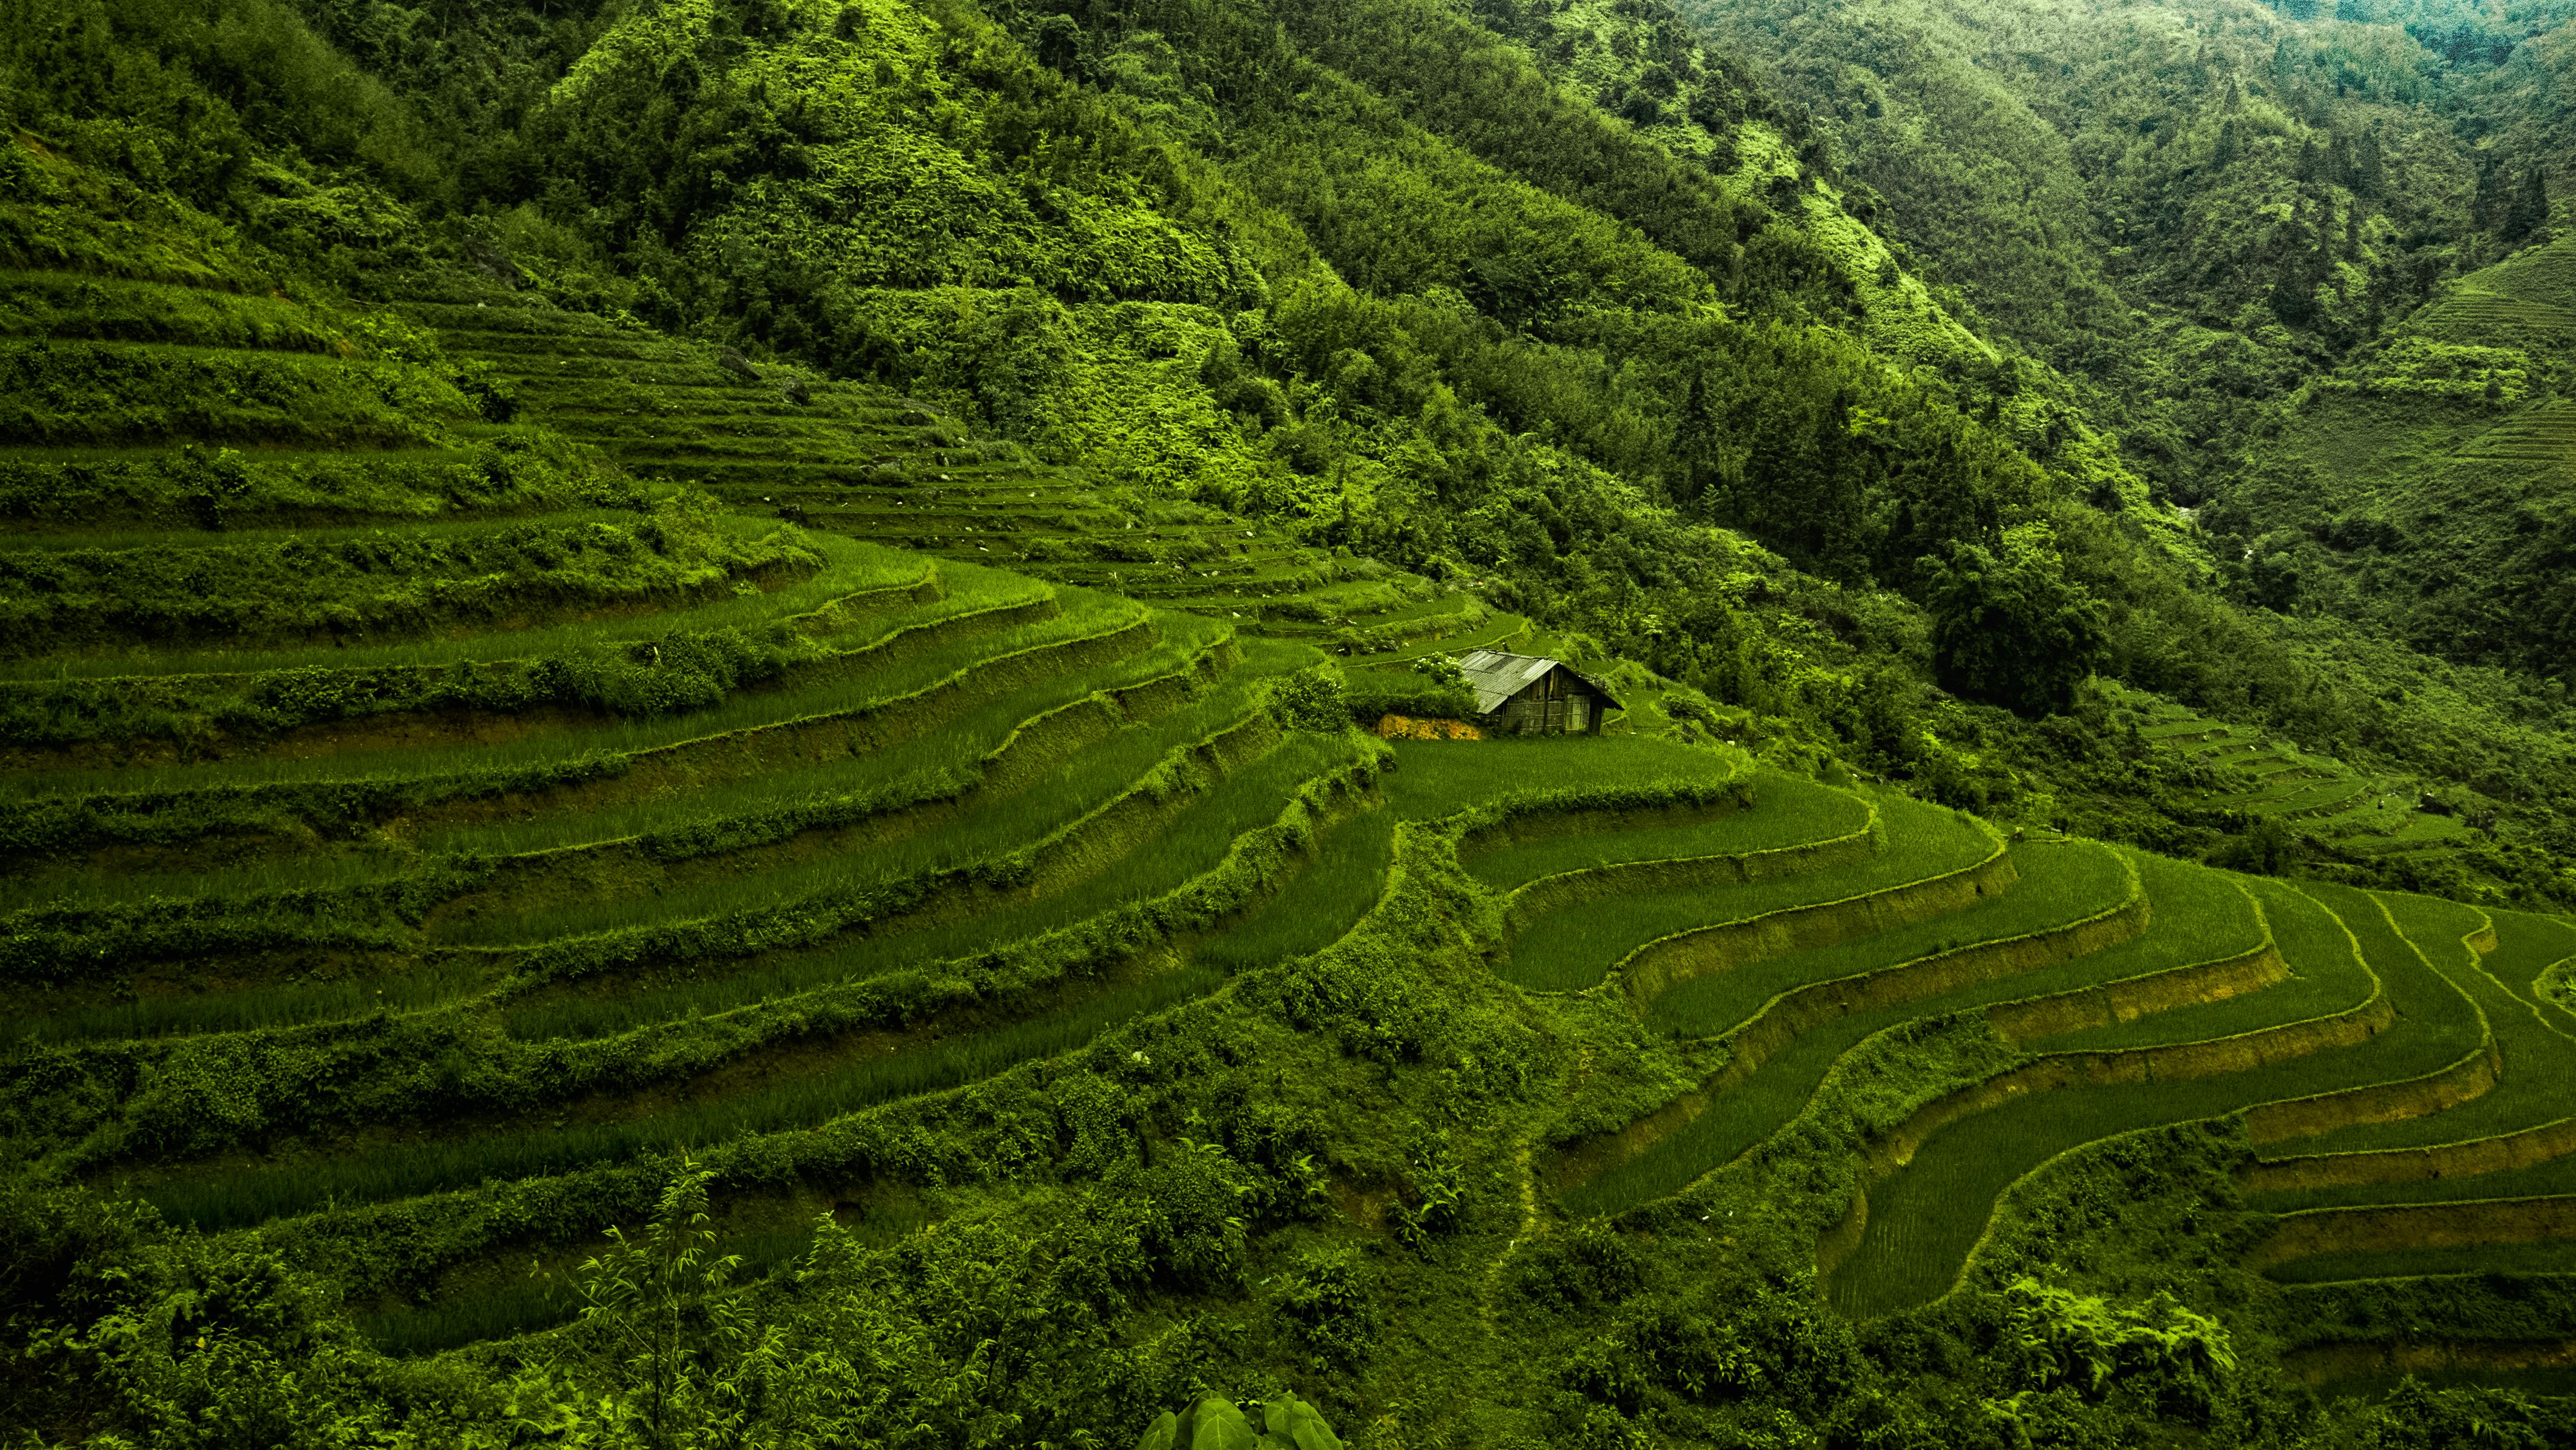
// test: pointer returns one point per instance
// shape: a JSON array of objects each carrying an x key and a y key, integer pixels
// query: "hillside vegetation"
[
  {"x": 693, "y": 758},
  {"x": 2188, "y": 208}
]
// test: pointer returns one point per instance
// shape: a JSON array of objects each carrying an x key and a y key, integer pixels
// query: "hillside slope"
[
  {"x": 964, "y": 956},
  {"x": 2188, "y": 207},
  {"x": 750, "y": 629},
  {"x": 2425, "y": 487}
]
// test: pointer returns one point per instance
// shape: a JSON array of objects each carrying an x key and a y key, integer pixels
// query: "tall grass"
[
  {"x": 2534, "y": 1383},
  {"x": 1575, "y": 947},
  {"x": 2518, "y": 965},
  {"x": 121, "y": 540},
  {"x": 501, "y": 1311},
  {"x": 904, "y": 772},
  {"x": 1318, "y": 905},
  {"x": 959, "y": 742},
  {"x": 934, "y": 765},
  {"x": 494, "y": 1313},
  {"x": 2435, "y": 1019},
  {"x": 2061, "y": 883},
  {"x": 99, "y": 886},
  {"x": 1081, "y": 785},
  {"x": 2550, "y": 1178},
  {"x": 1083, "y": 616},
  {"x": 2538, "y": 1084},
  {"x": 1787, "y": 811},
  {"x": 249, "y": 1009},
  {"x": 240, "y": 1199},
  {"x": 1923, "y": 1221},
  {"x": 2547, "y": 1256}
]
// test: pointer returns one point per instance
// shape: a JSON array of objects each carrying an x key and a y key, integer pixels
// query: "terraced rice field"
[
  {"x": 420, "y": 820},
  {"x": 869, "y": 465},
  {"x": 2545, "y": 434},
  {"x": 2493, "y": 316},
  {"x": 2390, "y": 1059},
  {"x": 703, "y": 824},
  {"x": 2317, "y": 795}
]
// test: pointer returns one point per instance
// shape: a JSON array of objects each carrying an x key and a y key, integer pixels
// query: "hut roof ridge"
[{"x": 1497, "y": 675}]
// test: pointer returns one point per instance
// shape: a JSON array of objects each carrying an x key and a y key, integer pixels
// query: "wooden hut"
[{"x": 1530, "y": 695}]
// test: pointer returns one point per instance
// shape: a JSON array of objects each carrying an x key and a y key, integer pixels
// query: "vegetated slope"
[
  {"x": 868, "y": 464},
  {"x": 1390, "y": 281},
  {"x": 1903, "y": 1051},
  {"x": 1284, "y": 276},
  {"x": 2423, "y": 488},
  {"x": 985, "y": 900},
  {"x": 2355, "y": 813},
  {"x": 440, "y": 826},
  {"x": 2191, "y": 207},
  {"x": 676, "y": 822}
]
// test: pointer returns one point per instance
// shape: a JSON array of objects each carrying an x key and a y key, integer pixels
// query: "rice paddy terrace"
[
  {"x": 1964, "y": 1028},
  {"x": 2251, "y": 771},
  {"x": 437, "y": 794},
  {"x": 869, "y": 464},
  {"x": 2527, "y": 301}
]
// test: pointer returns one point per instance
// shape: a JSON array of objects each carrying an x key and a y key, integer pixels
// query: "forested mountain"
[
  {"x": 2190, "y": 207},
  {"x": 1516, "y": 298},
  {"x": 2293, "y": 260},
  {"x": 2424, "y": 485},
  {"x": 2287, "y": 253},
  {"x": 747, "y": 622}
]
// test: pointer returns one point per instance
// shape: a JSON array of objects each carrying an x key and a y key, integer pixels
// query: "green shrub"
[
  {"x": 1370, "y": 695},
  {"x": 217, "y": 487},
  {"x": 2180, "y": 1361},
  {"x": 1212, "y": 1423},
  {"x": 1329, "y": 1299},
  {"x": 243, "y": 589},
  {"x": 2009, "y": 626},
  {"x": 1311, "y": 699}
]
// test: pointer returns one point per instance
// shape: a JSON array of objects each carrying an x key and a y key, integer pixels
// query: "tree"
[
  {"x": 2529, "y": 210},
  {"x": 692, "y": 1367},
  {"x": 2009, "y": 626},
  {"x": 2487, "y": 202},
  {"x": 2266, "y": 847}
]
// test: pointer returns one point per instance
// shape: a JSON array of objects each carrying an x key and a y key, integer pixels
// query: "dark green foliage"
[
  {"x": 677, "y": 672},
  {"x": 2177, "y": 1361},
  {"x": 359, "y": 587},
  {"x": 2265, "y": 846},
  {"x": 1587, "y": 1269},
  {"x": 213, "y": 488},
  {"x": 2416, "y": 1417},
  {"x": 2529, "y": 210},
  {"x": 2010, "y": 627},
  {"x": 61, "y": 394},
  {"x": 1370, "y": 695},
  {"x": 1310, "y": 700},
  {"x": 1329, "y": 1301}
]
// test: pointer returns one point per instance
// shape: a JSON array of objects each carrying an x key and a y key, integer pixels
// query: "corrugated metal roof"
[{"x": 1497, "y": 676}]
